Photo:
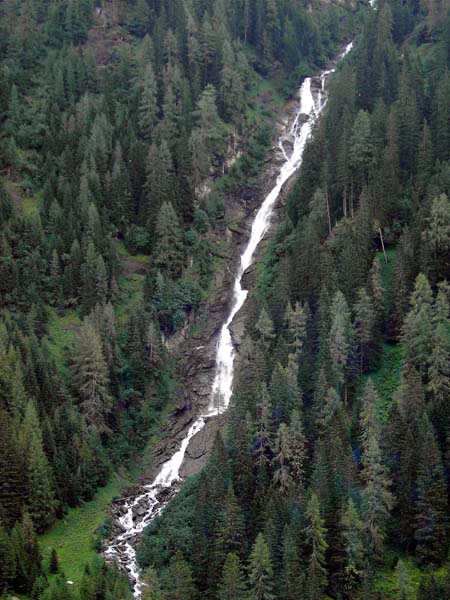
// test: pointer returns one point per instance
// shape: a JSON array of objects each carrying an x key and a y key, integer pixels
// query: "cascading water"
[{"x": 133, "y": 522}]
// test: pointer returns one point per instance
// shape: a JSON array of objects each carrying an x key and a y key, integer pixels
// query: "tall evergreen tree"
[
  {"x": 90, "y": 377},
  {"x": 317, "y": 574},
  {"x": 377, "y": 495},
  {"x": 232, "y": 586},
  {"x": 40, "y": 494},
  {"x": 432, "y": 520},
  {"x": 168, "y": 252},
  {"x": 260, "y": 571}
]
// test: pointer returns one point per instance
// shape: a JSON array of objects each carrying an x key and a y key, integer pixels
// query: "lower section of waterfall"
[{"x": 139, "y": 511}]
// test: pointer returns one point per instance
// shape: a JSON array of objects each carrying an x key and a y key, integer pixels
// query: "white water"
[{"x": 122, "y": 547}]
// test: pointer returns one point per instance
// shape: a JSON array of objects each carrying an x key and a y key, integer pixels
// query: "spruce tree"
[
  {"x": 28, "y": 555},
  {"x": 90, "y": 377},
  {"x": 293, "y": 576},
  {"x": 40, "y": 493},
  {"x": 377, "y": 495},
  {"x": 208, "y": 134},
  {"x": 353, "y": 548},
  {"x": 232, "y": 586},
  {"x": 437, "y": 240},
  {"x": 168, "y": 252},
  {"x": 54, "y": 563},
  {"x": 315, "y": 533},
  {"x": 417, "y": 327},
  {"x": 12, "y": 489},
  {"x": 148, "y": 106},
  {"x": 364, "y": 323},
  {"x": 264, "y": 327},
  {"x": 7, "y": 562},
  {"x": 432, "y": 520},
  {"x": 340, "y": 339},
  {"x": 151, "y": 590},
  {"x": 282, "y": 477},
  {"x": 298, "y": 450},
  {"x": 160, "y": 184},
  {"x": 180, "y": 584},
  {"x": 260, "y": 571}
]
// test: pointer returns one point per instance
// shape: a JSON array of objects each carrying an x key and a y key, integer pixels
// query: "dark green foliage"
[
  {"x": 110, "y": 137},
  {"x": 54, "y": 565},
  {"x": 332, "y": 477}
]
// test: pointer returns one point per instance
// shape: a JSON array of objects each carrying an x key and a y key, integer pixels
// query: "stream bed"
[{"x": 137, "y": 512}]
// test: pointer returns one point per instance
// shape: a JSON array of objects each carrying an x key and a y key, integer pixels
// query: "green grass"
[
  {"x": 387, "y": 271},
  {"x": 30, "y": 205},
  {"x": 62, "y": 331},
  {"x": 123, "y": 251},
  {"x": 131, "y": 288},
  {"x": 386, "y": 582},
  {"x": 387, "y": 377},
  {"x": 73, "y": 537},
  {"x": 268, "y": 89}
]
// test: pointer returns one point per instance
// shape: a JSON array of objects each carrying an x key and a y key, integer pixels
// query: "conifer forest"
[{"x": 225, "y": 299}]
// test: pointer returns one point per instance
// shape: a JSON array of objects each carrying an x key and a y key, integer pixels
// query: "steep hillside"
[
  {"x": 120, "y": 123},
  {"x": 331, "y": 476}
]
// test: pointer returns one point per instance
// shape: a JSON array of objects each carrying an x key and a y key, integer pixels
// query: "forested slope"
[
  {"x": 115, "y": 118},
  {"x": 332, "y": 476}
]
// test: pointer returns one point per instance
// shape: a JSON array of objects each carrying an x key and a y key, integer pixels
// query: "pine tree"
[
  {"x": 296, "y": 321},
  {"x": 101, "y": 281},
  {"x": 148, "y": 107},
  {"x": 12, "y": 490},
  {"x": 263, "y": 433},
  {"x": 284, "y": 392},
  {"x": 151, "y": 590},
  {"x": 232, "y": 85},
  {"x": 90, "y": 272},
  {"x": 28, "y": 555},
  {"x": 375, "y": 285},
  {"x": 282, "y": 456},
  {"x": 207, "y": 136},
  {"x": 340, "y": 338},
  {"x": 437, "y": 239},
  {"x": 232, "y": 586},
  {"x": 260, "y": 571},
  {"x": 377, "y": 496},
  {"x": 439, "y": 364},
  {"x": 403, "y": 443},
  {"x": 417, "y": 327},
  {"x": 442, "y": 117},
  {"x": 361, "y": 148},
  {"x": 292, "y": 567},
  {"x": 54, "y": 563},
  {"x": 168, "y": 252},
  {"x": 425, "y": 158},
  {"x": 160, "y": 184},
  {"x": 7, "y": 562},
  {"x": 90, "y": 377},
  {"x": 317, "y": 575},
  {"x": 364, "y": 323},
  {"x": 405, "y": 586},
  {"x": 180, "y": 584},
  {"x": 40, "y": 495},
  {"x": 353, "y": 548},
  {"x": 140, "y": 22},
  {"x": 298, "y": 451},
  {"x": 231, "y": 537},
  {"x": 264, "y": 327},
  {"x": 432, "y": 521}
]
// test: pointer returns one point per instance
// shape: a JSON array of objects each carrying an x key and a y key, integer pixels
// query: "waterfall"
[{"x": 122, "y": 547}]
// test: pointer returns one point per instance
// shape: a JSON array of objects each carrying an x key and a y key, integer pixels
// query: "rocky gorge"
[{"x": 192, "y": 425}]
